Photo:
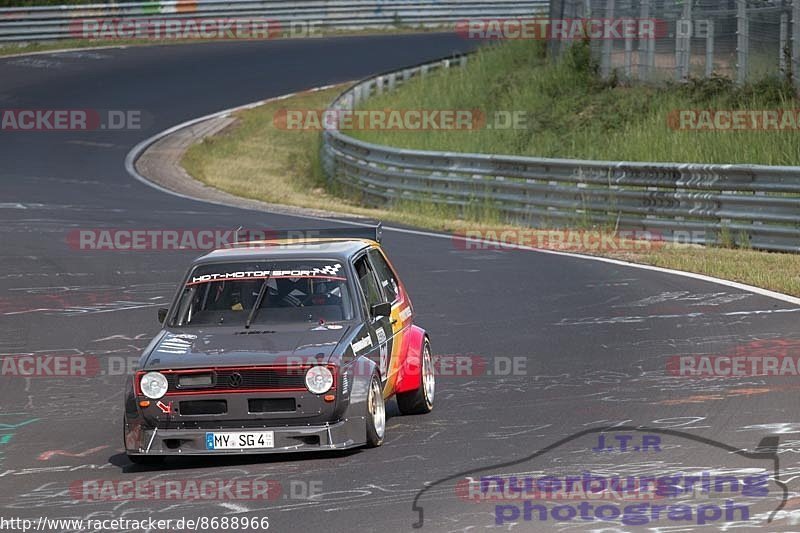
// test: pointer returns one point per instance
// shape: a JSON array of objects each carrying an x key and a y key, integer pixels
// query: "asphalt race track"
[{"x": 590, "y": 340}]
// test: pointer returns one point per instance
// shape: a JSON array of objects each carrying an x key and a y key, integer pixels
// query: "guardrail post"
[
  {"x": 742, "y": 41},
  {"x": 710, "y": 49},
  {"x": 392, "y": 81},
  {"x": 379, "y": 85},
  {"x": 463, "y": 60}
]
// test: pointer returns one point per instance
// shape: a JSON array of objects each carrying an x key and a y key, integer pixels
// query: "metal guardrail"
[
  {"x": 687, "y": 202},
  {"x": 42, "y": 23}
]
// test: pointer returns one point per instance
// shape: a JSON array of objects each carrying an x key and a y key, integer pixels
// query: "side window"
[
  {"x": 385, "y": 275},
  {"x": 366, "y": 278}
]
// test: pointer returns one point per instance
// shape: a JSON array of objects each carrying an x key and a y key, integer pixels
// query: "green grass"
[
  {"x": 573, "y": 114},
  {"x": 255, "y": 159},
  {"x": 775, "y": 271}
]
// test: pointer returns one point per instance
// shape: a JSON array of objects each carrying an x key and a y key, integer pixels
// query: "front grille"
[
  {"x": 203, "y": 407},
  {"x": 251, "y": 423},
  {"x": 271, "y": 405},
  {"x": 240, "y": 379}
]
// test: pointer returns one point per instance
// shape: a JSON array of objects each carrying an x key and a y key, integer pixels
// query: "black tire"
[
  {"x": 376, "y": 413},
  {"x": 420, "y": 401},
  {"x": 146, "y": 460}
]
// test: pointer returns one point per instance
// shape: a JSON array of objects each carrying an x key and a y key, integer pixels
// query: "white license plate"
[{"x": 240, "y": 440}]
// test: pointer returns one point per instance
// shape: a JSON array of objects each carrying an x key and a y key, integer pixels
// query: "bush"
[{"x": 721, "y": 91}]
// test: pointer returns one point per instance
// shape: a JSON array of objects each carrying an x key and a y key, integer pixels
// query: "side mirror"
[
  {"x": 162, "y": 314},
  {"x": 382, "y": 309}
]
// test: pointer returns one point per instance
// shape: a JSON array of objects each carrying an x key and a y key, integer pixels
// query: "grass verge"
[
  {"x": 256, "y": 159},
  {"x": 70, "y": 44},
  {"x": 570, "y": 112}
]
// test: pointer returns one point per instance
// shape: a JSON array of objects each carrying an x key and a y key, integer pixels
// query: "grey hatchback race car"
[{"x": 279, "y": 346}]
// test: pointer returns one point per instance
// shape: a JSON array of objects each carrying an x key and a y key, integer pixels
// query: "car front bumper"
[{"x": 341, "y": 435}]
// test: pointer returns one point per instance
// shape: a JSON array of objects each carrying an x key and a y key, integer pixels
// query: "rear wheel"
[
  {"x": 420, "y": 401},
  {"x": 376, "y": 413}
]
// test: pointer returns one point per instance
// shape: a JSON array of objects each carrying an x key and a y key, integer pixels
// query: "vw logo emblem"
[{"x": 235, "y": 380}]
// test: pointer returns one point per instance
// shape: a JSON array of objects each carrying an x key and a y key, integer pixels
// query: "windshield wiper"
[{"x": 257, "y": 305}]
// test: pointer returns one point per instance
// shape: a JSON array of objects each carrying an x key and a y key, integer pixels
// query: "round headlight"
[
  {"x": 153, "y": 385},
  {"x": 319, "y": 379}
]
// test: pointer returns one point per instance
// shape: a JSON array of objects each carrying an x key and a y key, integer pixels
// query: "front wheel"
[
  {"x": 420, "y": 401},
  {"x": 376, "y": 413}
]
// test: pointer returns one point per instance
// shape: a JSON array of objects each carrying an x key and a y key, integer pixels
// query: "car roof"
[{"x": 339, "y": 249}]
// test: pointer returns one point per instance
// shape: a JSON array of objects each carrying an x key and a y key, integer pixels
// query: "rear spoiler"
[{"x": 374, "y": 233}]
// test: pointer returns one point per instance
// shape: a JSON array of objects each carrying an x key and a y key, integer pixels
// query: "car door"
[
  {"x": 400, "y": 317},
  {"x": 380, "y": 326}
]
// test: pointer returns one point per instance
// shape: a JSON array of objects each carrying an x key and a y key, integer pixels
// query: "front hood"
[{"x": 236, "y": 346}]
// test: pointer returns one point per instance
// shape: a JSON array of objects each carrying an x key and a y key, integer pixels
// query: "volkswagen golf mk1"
[{"x": 280, "y": 346}]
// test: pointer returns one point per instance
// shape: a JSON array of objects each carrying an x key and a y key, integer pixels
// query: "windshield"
[{"x": 288, "y": 291}]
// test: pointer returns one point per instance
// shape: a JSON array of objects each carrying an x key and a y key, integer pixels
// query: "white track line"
[
  {"x": 136, "y": 152},
  {"x": 68, "y": 50}
]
